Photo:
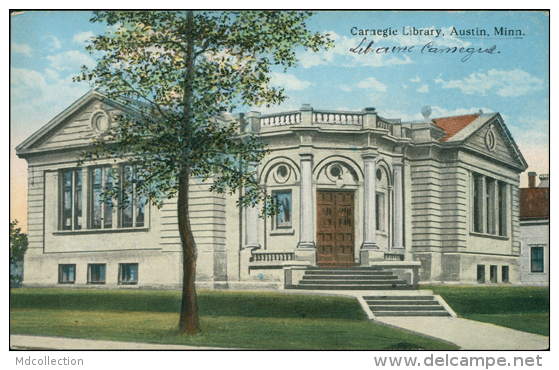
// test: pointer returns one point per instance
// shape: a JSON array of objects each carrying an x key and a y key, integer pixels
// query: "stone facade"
[{"x": 355, "y": 189}]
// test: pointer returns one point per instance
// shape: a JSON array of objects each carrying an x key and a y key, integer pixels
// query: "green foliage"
[
  {"x": 180, "y": 75},
  {"x": 18, "y": 242},
  {"x": 18, "y": 247}
]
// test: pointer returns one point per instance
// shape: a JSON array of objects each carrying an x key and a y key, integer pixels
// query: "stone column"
[
  {"x": 252, "y": 221},
  {"x": 306, "y": 249},
  {"x": 369, "y": 206},
  {"x": 369, "y": 249},
  {"x": 306, "y": 235},
  {"x": 398, "y": 212}
]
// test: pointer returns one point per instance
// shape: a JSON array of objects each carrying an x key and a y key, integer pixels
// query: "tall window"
[
  {"x": 536, "y": 259},
  {"x": 478, "y": 206},
  {"x": 133, "y": 211},
  {"x": 489, "y": 206},
  {"x": 284, "y": 217},
  {"x": 101, "y": 211},
  {"x": 380, "y": 218},
  {"x": 502, "y": 191},
  {"x": 71, "y": 200}
]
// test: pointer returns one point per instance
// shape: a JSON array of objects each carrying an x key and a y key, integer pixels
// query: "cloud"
[
  {"x": 83, "y": 37},
  {"x": 55, "y": 43},
  {"x": 34, "y": 99},
  {"x": 371, "y": 84},
  {"x": 289, "y": 82},
  {"x": 416, "y": 79},
  {"x": 21, "y": 49},
  {"x": 423, "y": 89},
  {"x": 513, "y": 83},
  {"x": 70, "y": 60}
]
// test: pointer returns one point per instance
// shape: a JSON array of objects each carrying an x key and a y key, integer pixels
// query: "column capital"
[
  {"x": 369, "y": 156},
  {"x": 306, "y": 156}
]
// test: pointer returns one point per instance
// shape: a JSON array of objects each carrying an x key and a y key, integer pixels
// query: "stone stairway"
[
  {"x": 405, "y": 305},
  {"x": 351, "y": 278}
]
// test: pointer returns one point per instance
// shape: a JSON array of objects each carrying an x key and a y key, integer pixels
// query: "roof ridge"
[{"x": 461, "y": 115}]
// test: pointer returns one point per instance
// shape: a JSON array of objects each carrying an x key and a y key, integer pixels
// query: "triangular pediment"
[
  {"x": 489, "y": 136},
  {"x": 76, "y": 126}
]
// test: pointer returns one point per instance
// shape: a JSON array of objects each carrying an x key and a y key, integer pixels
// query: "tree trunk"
[{"x": 188, "y": 322}]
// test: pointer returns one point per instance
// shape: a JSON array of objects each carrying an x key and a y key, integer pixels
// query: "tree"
[
  {"x": 180, "y": 74},
  {"x": 18, "y": 247}
]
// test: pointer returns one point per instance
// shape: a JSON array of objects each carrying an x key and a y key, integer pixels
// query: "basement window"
[
  {"x": 66, "y": 274},
  {"x": 481, "y": 274},
  {"x": 128, "y": 274},
  {"x": 96, "y": 273}
]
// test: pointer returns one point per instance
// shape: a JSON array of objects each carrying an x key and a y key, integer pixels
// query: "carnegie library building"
[{"x": 434, "y": 200}]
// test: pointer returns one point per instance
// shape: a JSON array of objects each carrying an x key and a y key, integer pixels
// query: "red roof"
[
  {"x": 534, "y": 203},
  {"x": 453, "y": 125}
]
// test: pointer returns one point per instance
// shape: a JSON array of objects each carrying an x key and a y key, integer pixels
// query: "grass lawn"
[
  {"x": 520, "y": 308},
  {"x": 256, "y": 320}
]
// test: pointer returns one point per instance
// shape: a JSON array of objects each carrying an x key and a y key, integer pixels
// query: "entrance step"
[
  {"x": 416, "y": 305},
  {"x": 355, "y": 278}
]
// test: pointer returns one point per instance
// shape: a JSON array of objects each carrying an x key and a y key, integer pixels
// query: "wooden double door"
[{"x": 335, "y": 228}]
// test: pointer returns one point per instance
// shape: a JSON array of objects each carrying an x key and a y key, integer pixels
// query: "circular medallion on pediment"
[
  {"x": 100, "y": 122},
  {"x": 490, "y": 140}
]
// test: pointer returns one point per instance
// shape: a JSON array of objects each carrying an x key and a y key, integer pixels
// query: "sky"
[{"x": 389, "y": 60}]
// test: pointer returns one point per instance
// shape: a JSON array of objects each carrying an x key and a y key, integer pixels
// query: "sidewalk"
[
  {"x": 32, "y": 342},
  {"x": 468, "y": 334}
]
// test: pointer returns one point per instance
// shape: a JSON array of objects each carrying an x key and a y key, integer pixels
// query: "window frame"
[
  {"x": 121, "y": 270},
  {"x": 61, "y": 273},
  {"x": 493, "y": 274},
  {"x": 481, "y": 274},
  {"x": 505, "y": 274},
  {"x": 134, "y": 199},
  {"x": 276, "y": 223},
  {"x": 490, "y": 206},
  {"x": 80, "y": 208},
  {"x": 381, "y": 211},
  {"x": 541, "y": 270},
  {"x": 90, "y": 274},
  {"x": 105, "y": 210},
  {"x": 74, "y": 199}
]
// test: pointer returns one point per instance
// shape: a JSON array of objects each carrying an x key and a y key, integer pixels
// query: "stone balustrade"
[
  {"x": 280, "y": 119},
  {"x": 366, "y": 119},
  {"x": 337, "y": 118},
  {"x": 272, "y": 256}
]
